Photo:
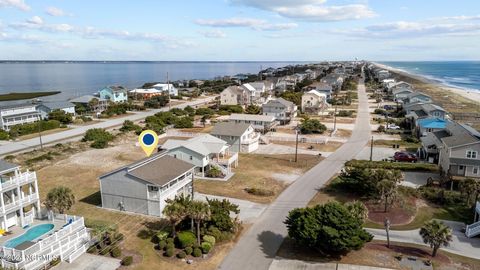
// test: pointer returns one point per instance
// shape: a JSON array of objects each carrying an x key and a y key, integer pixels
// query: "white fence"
[{"x": 301, "y": 139}]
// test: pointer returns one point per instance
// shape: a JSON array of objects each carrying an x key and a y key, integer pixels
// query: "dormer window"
[{"x": 471, "y": 154}]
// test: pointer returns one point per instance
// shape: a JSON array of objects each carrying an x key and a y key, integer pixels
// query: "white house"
[
  {"x": 235, "y": 95},
  {"x": 262, "y": 123},
  {"x": 18, "y": 114},
  {"x": 203, "y": 151},
  {"x": 314, "y": 102},
  {"x": 35, "y": 236},
  {"x": 241, "y": 136},
  {"x": 166, "y": 87}
]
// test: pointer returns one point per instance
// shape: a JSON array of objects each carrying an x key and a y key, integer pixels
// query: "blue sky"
[{"x": 276, "y": 30}]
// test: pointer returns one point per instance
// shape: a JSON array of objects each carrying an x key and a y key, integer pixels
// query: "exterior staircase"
[
  {"x": 473, "y": 230},
  {"x": 222, "y": 168}
]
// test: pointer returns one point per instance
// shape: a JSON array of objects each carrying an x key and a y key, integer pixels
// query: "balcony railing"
[
  {"x": 19, "y": 203},
  {"x": 226, "y": 159},
  {"x": 18, "y": 180}
]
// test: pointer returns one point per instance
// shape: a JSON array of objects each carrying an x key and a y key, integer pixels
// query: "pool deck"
[{"x": 16, "y": 231}]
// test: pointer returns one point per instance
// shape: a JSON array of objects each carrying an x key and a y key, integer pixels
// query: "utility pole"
[
  {"x": 296, "y": 144},
  {"x": 168, "y": 90},
  {"x": 371, "y": 150},
  {"x": 40, "y": 132},
  {"x": 386, "y": 223},
  {"x": 335, "y": 117}
]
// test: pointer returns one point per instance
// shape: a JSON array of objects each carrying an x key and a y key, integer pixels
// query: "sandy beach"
[{"x": 471, "y": 95}]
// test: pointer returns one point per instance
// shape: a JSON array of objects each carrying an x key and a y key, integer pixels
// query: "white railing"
[
  {"x": 477, "y": 207},
  {"x": 67, "y": 238},
  {"x": 19, "y": 203},
  {"x": 226, "y": 160},
  {"x": 251, "y": 139},
  {"x": 473, "y": 230},
  {"x": 293, "y": 139},
  {"x": 176, "y": 133},
  {"x": 19, "y": 179}
]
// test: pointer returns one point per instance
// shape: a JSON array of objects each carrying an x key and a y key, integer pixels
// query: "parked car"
[
  {"x": 388, "y": 107},
  {"x": 392, "y": 126},
  {"x": 404, "y": 157}
]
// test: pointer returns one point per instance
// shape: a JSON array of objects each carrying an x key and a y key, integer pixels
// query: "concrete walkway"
[
  {"x": 418, "y": 179},
  {"x": 461, "y": 245},
  {"x": 90, "y": 262},
  {"x": 13, "y": 147},
  {"x": 258, "y": 246},
  {"x": 249, "y": 211},
  {"x": 284, "y": 264}
]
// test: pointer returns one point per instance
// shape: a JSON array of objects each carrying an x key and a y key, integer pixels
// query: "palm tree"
[
  {"x": 60, "y": 198},
  {"x": 436, "y": 234},
  {"x": 186, "y": 203},
  {"x": 175, "y": 213},
  {"x": 200, "y": 212},
  {"x": 469, "y": 187},
  {"x": 388, "y": 191}
]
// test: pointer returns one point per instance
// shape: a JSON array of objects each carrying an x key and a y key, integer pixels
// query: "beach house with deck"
[
  {"x": 142, "y": 187},
  {"x": 18, "y": 114},
  {"x": 31, "y": 237},
  {"x": 115, "y": 93},
  {"x": 241, "y": 136}
]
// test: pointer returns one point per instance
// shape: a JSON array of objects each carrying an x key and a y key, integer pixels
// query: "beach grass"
[{"x": 26, "y": 95}]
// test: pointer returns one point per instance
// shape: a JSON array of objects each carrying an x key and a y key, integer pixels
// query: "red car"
[{"x": 405, "y": 157}]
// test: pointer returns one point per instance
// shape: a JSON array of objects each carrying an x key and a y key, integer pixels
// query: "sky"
[{"x": 240, "y": 30}]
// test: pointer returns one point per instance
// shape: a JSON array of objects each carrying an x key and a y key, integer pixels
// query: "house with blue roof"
[
  {"x": 428, "y": 125},
  {"x": 116, "y": 94}
]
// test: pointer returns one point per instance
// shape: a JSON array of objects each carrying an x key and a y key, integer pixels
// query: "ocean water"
[
  {"x": 80, "y": 78},
  {"x": 460, "y": 74}
]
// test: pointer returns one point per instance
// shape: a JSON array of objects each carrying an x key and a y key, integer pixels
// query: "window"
[
  {"x": 175, "y": 156},
  {"x": 471, "y": 154},
  {"x": 475, "y": 170},
  {"x": 461, "y": 168},
  {"x": 191, "y": 157},
  {"x": 152, "y": 188}
]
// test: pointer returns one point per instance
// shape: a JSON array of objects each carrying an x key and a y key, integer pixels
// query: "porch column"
[
  {"x": 38, "y": 213},
  {"x": 4, "y": 222},
  {"x": 2, "y": 203},
  {"x": 21, "y": 216}
]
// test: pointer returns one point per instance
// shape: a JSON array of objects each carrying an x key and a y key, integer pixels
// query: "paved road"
[
  {"x": 13, "y": 147},
  {"x": 460, "y": 244},
  {"x": 258, "y": 247}
]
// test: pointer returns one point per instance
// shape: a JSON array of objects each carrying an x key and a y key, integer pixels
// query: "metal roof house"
[
  {"x": 283, "y": 110},
  {"x": 47, "y": 107},
  {"x": 142, "y": 187},
  {"x": 262, "y": 123}
]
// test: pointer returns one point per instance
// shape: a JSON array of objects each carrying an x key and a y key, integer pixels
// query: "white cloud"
[
  {"x": 96, "y": 33},
  {"x": 214, "y": 34},
  {"x": 55, "y": 12},
  {"x": 452, "y": 26},
  {"x": 19, "y": 4},
  {"x": 35, "y": 20},
  {"x": 311, "y": 10},
  {"x": 256, "y": 24}
]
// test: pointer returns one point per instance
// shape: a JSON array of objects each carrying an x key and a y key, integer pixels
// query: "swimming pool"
[{"x": 30, "y": 235}]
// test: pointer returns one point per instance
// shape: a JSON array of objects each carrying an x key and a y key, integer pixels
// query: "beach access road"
[
  {"x": 75, "y": 133},
  {"x": 258, "y": 246}
]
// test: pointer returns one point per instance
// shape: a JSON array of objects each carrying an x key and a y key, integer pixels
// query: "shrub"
[
  {"x": 411, "y": 139},
  {"x": 345, "y": 113},
  {"x": 197, "y": 252},
  {"x": 97, "y": 134},
  {"x": 188, "y": 250},
  {"x": 4, "y": 135},
  {"x": 99, "y": 144},
  {"x": 162, "y": 244},
  {"x": 231, "y": 108},
  {"x": 309, "y": 126},
  {"x": 61, "y": 116},
  {"x": 126, "y": 261},
  {"x": 129, "y": 126},
  {"x": 169, "y": 252},
  {"x": 181, "y": 255},
  {"x": 105, "y": 251},
  {"x": 118, "y": 236},
  {"x": 156, "y": 102},
  {"x": 214, "y": 172},
  {"x": 184, "y": 122},
  {"x": 185, "y": 239},
  {"x": 204, "y": 111},
  {"x": 206, "y": 247},
  {"x": 219, "y": 235},
  {"x": 379, "y": 111},
  {"x": 25, "y": 129},
  {"x": 260, "y": 191},
  {"x": 210, "y": 239},
  {"x": 92, "y": 249},
  {"x": 170, "y": 245},
  {"x": 161, "y": 236},
  {"x": 145, "y": 234},
  {"x": 381, "y": 128},
  {"x": 116, "y": 252},
  {"x": 170, "y": 240}
]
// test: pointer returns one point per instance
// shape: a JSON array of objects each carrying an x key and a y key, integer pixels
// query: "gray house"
[
  {"x": 283, "y": 110},
  {"x": 417, "y": 97},
  {"x": 261, "y": 123},
  {"x": 143, "y": 187},
  {"x": 459, "y": 151},
  {"x": 241, "y": 136},
  {"x": 47, "y": 107}
]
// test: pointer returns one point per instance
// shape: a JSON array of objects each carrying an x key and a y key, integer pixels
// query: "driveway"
[
  {"x": 283, "y": 264},
  {"x": 249, "y": 211},
  {"x": 259, "y": 245},
  {"x": 12, "y": 147},
  {"x": 379, "y": 153},
  {"x": 90, "y": 262},
  {"x": 418, "y": 179},
  {"x": 460, "y": 244}
]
